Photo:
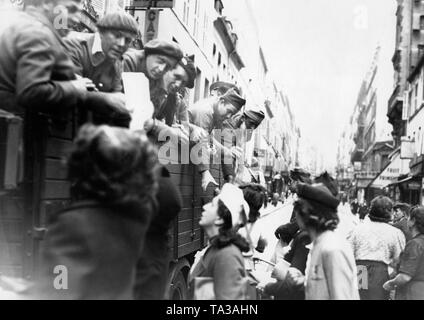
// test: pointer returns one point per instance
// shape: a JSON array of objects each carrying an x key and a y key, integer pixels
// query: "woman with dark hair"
[
  {"x": 222, "y": 259},
  {"x": 99, "y": 237},
  {"x": 330, "y": 272},
  {"x": 409, "y": 282},
  {"x": 377, "y": 246}
]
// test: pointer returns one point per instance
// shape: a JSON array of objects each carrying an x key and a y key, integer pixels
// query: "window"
[
  {"x": 219, "y": 6},
  {"x": 205, "y": 29},
  {"x": 186, "y": 12},
  {"x": 219, "y": 59},
  {"x": 198, "y": 84},
  {"x": 214, "y": 50},
  {"x": 420, "y": 50},
  {"x": 196, "y": 18},
  {"x": 422, "y": 22},
  {"x": 416, "y": 97}
]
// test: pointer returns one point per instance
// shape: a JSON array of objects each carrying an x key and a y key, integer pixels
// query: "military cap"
[
  {"x": 233, "y": 97},
  {"x": 119, "y": 20},
  {"x": 166, "y": 48},
  {"x": 188, "y": 64},
  {"x": 318, "y": 193},
  {"x": 223, "y": 87}
]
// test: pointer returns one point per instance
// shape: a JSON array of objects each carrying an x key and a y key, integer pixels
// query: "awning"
[{"x": 388, "y": 176}]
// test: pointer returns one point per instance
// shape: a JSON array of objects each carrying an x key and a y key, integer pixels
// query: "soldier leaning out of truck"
[
  {"x": 153, "y": 265},
  {"x": 208, "y": 115},
  {"x": 35, "y": 71}
]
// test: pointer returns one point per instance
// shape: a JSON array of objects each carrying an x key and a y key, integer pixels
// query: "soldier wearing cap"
[
  {"x": 249, "y": 120},
  {"x": 208, "y": 115},
  {"x": 170, "y": 103},
  {"x": 157, "y": 57}
]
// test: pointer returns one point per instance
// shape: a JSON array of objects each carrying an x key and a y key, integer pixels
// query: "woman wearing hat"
[
  {"x": 222, "y": 261},
  {"x": 377, "y": 246},
  {"x": 331, "y": 271},
  {"x": 409, "y": 282}
]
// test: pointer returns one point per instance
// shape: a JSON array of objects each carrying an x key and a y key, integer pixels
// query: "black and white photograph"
[{"x": 214, "y": 155}]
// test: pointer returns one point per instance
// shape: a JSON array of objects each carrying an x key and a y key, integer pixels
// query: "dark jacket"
[
  {"x": 402, "y": 225},
  {"x": 34, "y": 68},
  {"x": 99, "y": 246},
  {"x": 105, "y": 74},
  {"x": 297, "y": 257}
]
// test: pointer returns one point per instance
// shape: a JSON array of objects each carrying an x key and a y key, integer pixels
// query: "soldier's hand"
[
  {"x": 116, "y": 102},
  {"x": 83, "y": 84}
]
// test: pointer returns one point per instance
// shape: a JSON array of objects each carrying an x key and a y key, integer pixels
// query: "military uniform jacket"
[{"x": 34, "y": 68}]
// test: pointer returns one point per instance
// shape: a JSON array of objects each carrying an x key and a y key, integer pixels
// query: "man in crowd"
[
  {"x": 400, "y": 219},
  {"x": 208, "y": 115}
]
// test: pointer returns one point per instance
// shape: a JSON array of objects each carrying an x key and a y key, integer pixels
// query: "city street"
[
  {"x": 140, "y": 141},
  {"x": 271, "y": 218}
]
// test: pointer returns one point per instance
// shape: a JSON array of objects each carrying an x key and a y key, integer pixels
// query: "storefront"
[{"x": 395, "y": 173}]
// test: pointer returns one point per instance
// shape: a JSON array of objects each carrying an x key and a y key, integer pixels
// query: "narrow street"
[{"x": 271, "y": 218}]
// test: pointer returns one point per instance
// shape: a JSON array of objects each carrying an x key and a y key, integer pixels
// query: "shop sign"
[
  {"x": 151, "y": 25},
  {"x": 414, "y": 186}
]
